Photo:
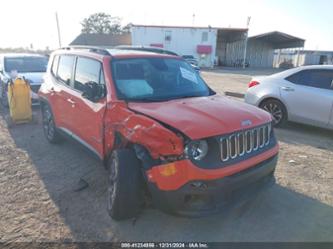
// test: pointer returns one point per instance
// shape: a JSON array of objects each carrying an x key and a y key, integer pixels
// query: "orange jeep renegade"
[{"x": 159, "y": 129}]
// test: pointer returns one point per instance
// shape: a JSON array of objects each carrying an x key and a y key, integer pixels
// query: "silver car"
[
  {"x": 303, "y": 94},
  {"x": 31, "y": 66}
]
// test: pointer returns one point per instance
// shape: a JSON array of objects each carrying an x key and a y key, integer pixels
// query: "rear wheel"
[
  {"x": 125, "y": 192},
  {"x": 277, "y": 110},
  {"x": 4, "y": 98},
  {"x": 50, "y": 130}
]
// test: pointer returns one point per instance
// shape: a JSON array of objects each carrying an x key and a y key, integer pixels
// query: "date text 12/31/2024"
[{"x": 165, "y": 245}]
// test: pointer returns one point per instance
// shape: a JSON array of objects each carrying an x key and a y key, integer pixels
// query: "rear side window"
[
  {"x": 54, "y": 69},
  {"x": 87, "y": 70},
  {"x": 313, "y": 78},
  {"x": 65, "y": 68}
]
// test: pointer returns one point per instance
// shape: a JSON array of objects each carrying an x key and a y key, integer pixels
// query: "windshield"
[
  {"x": 26, "y": 64},
  {"x": 156, "y": 79}
]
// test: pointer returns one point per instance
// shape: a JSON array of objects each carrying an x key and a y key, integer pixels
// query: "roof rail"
[{"x": 98, "y": 50}]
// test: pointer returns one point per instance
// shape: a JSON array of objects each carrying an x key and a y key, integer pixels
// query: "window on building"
[
  {"x": 168, "y": 37},
  {"x": 65, "y": 68},
  {"x": 204, "y": 36}
]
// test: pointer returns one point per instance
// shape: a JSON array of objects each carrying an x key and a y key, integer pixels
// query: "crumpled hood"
[
  {"x": 204, "y": 116},
  {"x": 34, "y": 78}
]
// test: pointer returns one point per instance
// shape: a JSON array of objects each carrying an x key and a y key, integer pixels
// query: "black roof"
[
  {"x": 106, "y": 40},
  {"x": 280, "y": 40}
]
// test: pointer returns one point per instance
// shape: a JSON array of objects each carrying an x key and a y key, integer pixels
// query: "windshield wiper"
[
  {"x": 147, "y": 100},
  {"x": 185, "y": 96}
]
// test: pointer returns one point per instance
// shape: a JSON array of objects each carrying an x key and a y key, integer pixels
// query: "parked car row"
[{"x": 159, "y": 129}]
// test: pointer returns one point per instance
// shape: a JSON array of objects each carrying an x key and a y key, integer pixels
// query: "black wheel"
[
  {"x": 4, "y": 98},
  {"x": 277, "y": 110},
  {"x": 125, "y": 191},
  {"x": 50, "y": 130}
]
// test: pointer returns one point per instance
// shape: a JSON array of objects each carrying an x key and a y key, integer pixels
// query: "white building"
[
  {"x": 212, "y": 45},
  {"x": 197, "y": 41}
]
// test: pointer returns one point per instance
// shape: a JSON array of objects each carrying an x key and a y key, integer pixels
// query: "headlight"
[{"x": 197, "y": 149}]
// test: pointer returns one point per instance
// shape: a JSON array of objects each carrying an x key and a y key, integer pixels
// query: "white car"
[
  {"x": 303, "y": 94},
  {"x": 31, "y": 66}
]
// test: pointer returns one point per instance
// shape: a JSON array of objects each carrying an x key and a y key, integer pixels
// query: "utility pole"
[
  {"x": 193, "y": 19},
  {"x": 58, "y": 28},
  {"x": 246, "y": 39}
]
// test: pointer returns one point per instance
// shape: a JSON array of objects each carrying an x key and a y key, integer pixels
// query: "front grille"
[{"x": 244, "y": 142}]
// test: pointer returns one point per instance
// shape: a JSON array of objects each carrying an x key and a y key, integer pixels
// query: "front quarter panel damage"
[{"x": 139, "y": 129}]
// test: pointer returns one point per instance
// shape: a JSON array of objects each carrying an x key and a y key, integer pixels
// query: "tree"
[
  {"x": 127, "y": 28},
  {"x": 101, "y": 23}
]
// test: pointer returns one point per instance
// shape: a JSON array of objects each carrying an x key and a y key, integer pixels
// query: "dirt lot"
[{"x": 38, "y": 201}]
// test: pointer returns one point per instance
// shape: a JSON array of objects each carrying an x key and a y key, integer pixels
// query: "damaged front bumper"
[{"x": 208, "y": 195}]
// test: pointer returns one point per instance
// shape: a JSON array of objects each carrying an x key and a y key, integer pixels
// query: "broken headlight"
[{"x": 196, "y": 149}]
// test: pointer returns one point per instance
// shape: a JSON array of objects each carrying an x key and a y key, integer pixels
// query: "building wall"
[
  {"x": 259, "y": 54},
  {"x": 302, "y": 57},
  {"x": 234, "y": 52},
  {"x": 221, "y": 52},
  {"x": 183, "y": 41},
  {"x": 313, "y": 58}
]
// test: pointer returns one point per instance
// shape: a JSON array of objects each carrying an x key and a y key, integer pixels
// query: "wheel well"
[
  {"x": 272, "y": 98},
  {"x": 42, "y": 103}
]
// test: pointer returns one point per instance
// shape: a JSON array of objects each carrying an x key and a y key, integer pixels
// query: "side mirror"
[{"x": 93, "y": 91}]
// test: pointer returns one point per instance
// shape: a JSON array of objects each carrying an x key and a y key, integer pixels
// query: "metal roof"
[
  {"x": 106, "y": 40},
  {"x": 188, "y": 27},
  {"x": 280, "y": 40}
]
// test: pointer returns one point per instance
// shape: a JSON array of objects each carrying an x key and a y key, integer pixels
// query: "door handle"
[
  {"x": 71, "y": 101},
  {"x": 52, "y": 91},
  {"x": 287, "y": 88}
]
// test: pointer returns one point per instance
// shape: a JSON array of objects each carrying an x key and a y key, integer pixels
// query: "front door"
[{"x": 87, "y": 121}]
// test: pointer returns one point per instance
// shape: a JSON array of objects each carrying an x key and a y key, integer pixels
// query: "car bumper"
[
  {"x": 251, "y": 98},
  {"x": 203, "y": 197},
  {"x": 35, "y": 89}
]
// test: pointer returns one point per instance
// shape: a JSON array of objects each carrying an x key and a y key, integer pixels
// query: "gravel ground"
[{"x": 39, "y": 202}]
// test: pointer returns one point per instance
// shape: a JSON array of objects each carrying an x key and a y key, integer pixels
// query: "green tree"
[
  {"x": 127, "y": 28},
  {"x": 101, "y": 23}
]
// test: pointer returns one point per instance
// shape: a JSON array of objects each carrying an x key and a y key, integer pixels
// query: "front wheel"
[
  {"x": 277, "y": 110},
  {"x": 50, "y": 130},
  {"x": 125, "y": 192}
]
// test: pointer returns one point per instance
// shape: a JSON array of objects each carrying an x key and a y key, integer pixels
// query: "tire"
[
  {"x": 50, "y": 130},
  {"x": 125, "y": 191},
  {"x": 277, "y": 110},
  {"x": 9, "y": 121},
  {"x": 4, "y": 98}
]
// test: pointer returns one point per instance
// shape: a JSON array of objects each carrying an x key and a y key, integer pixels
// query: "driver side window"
[{"x": 87, "y": 70}]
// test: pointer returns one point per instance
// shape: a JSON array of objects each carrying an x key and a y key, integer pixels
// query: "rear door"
[
  {"x": 62, "y": 76},
  {"x": 88, "y": 117},
  {"x": 309, "y": 96}
]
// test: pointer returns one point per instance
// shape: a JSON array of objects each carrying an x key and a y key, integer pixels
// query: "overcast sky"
[{"x": 33, "y": 22}]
